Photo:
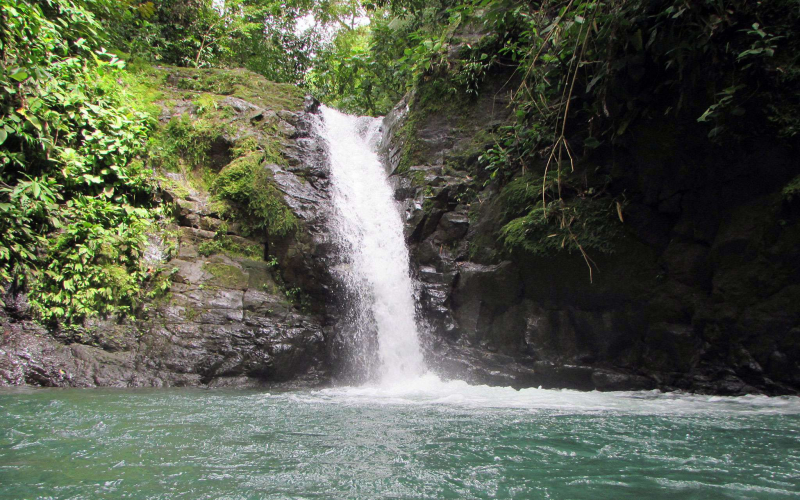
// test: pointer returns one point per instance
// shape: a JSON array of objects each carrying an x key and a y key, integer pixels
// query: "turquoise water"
[{"x": 432, "y": 440}]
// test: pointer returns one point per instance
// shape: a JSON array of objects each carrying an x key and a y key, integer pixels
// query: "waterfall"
[{"x": 369, "y": 229}]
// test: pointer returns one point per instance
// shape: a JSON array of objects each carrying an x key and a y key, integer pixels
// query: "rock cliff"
[
  {"x": 700, "y": 292},
  {"x": 244, "y": 307}
]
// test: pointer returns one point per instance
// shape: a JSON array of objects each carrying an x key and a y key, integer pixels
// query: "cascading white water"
[{"x": 369, "y": 227}]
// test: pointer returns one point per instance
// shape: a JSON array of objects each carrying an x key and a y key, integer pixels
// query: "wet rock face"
[
  {"x": 225, "y": 322},
  {"x": 701, "y": 295},
  {"x": 227, "y": 318},
  {"x": 234, "y": 318}
]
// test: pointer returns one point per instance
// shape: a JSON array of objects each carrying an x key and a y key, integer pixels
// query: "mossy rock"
[
  {"x": 211, "y": 151},
  {"x": 260, "y": 277},
  {"x": 232, "y": 247},
  {"x": 226, "y": 276},
  {"x": 240, "y": 83},
  {"x": 250, "y": 196}
]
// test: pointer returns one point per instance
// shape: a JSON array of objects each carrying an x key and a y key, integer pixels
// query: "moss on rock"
[
  {"x": 226, "y": 276},
  {"x": 249, "y": 195}
]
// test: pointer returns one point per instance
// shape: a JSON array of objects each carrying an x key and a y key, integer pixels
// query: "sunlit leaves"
[
  {"x": 69, "y": 190},
  {"x": 96, "y": 259}
]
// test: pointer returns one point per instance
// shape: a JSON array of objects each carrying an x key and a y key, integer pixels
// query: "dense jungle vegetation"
[{"x": 78, "y": 196}]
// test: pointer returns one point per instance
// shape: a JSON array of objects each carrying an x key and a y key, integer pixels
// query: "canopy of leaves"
[{"x": 277, "y": 39}]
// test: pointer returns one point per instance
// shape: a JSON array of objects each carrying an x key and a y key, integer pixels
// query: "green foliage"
[
  {"x": 792, "y": 190},
  {"x": 346, "y": 76},
  {"x": 29, "y": 210},
  {"x": 592, "y": 61},
  {"x": 249, "y": 194},
  {"x": 206, "y": 103},
  {"x": 368, "y": 70},
  {"x": 75, "y": 202},
  {"x": 513, "y": 150},
  {"x": 264, "y": 37},
  {"x": 577, "y": 225},
  {"x": 184, "y": 144},
  {"x": 53, "y": 98},
  {"x": 268, "y": 37},
  {"x": 549, "y": 214},
  {"x": 224, "y": 244},
  {"x": 591, "y": 69},
  {"x": 95, "y": 261},
  {"x": 183, "y": 32},
  {"x": 582, "y": 75}
]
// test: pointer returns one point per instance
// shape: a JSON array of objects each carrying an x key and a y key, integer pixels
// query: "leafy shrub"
[
  {"x": 30, "y": 210},
  {"x": 95, "y": 261},
  {"x": 74, "y": 199}
]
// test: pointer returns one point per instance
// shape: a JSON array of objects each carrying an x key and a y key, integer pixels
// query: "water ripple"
[{"x": 432, "y": 440}]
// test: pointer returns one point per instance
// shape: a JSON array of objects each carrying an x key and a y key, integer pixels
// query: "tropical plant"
[{"x": 75, "y": 202}]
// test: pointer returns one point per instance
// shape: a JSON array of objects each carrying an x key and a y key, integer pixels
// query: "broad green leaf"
[
  {"x": 20, "y": 75},
  {"x": 35, "y": 122}
]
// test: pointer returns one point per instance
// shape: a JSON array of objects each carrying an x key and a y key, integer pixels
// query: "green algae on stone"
[
  {"x": 239, "y": 83},
  {"x": 226, "y": 276}
]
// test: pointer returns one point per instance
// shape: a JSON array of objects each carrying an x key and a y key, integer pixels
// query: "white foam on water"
[{"x": 430, "y": 390}]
